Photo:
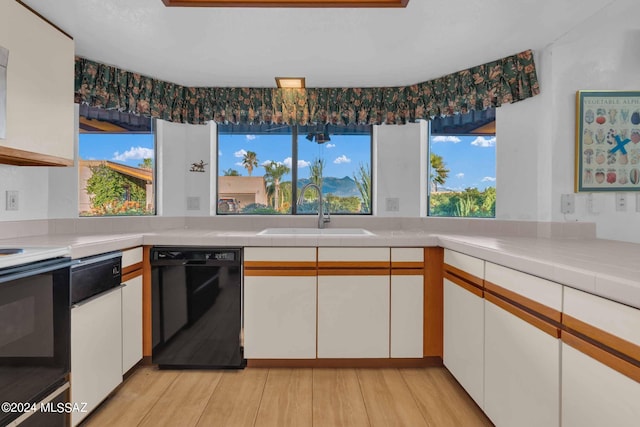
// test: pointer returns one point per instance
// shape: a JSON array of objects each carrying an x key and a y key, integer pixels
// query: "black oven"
[{"x": 34, "y": 333}]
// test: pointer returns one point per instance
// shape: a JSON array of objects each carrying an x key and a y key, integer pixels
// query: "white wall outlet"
[
  {"x": 568, "y": 203},
  {"x": 193, "y": 203},
  {"x": 638, "y": 202},
  {"x": 593, "y": 204},
  {"x": 392, "y": 204},
  {"x": 621, "y": 202},
  {"x": 12, "y": 201}
]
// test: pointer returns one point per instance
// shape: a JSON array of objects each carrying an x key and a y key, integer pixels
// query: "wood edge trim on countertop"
[
  {"x": 354, "y": 264},
  {"x": 528, "y": 303},
  {"x": 464, "y": 284},
  {"x": 407, "y": 264},
  {"x": 131, "y": 268},
  {"x": 537, "y": 322},
  {"x": 616, "y": 343},
  {"x": 279, "y": 264},
  {"x": 407, "y": 271},
  {"x": 16, "y": 157},
  {"x": 346, "y": 363},
  {"x": 474, "y": 280},
  {"x": 273, "y": 272},
  {"x": 131, "y": 275},
  {"x": 353, "y": 272},
  {"x": 608, "y": 359}
]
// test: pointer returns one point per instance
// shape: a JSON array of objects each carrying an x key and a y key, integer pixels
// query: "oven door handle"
[
  {"x": 45, "y": 268},
  {"x": 94, "y": 297}
]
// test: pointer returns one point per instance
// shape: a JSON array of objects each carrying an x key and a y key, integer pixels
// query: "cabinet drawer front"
[
  {"x": 353, "y": 255},
  {"x": 466, "y": 263},
  {"x": 613, "y": 324},
  {"x": 279, "y": 254},
  {"x": 131, "y": 256},
  {"x": 407, "y": 257},
  {"x": 407, "y": 313},
  {"x": 538, "y": 294}
]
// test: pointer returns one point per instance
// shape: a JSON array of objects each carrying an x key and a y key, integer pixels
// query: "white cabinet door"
[
  {"x": 521, "y": 371},
  {"x": 407, "y": 315},
  {"x": 131, "y": 323},
  {"x": 353, "y": 316},
  {"x": 464, "y": 339},
  {"x": 280, "y": 317},
  {"x": 595, "y": 395},
  {"x": 96, "y": 350}
]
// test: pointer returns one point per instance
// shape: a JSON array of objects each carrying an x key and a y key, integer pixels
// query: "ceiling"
[{"x": 330, "y": 47}]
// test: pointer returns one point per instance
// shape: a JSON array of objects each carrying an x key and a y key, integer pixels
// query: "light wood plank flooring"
[{"x": 290, "y": 397}]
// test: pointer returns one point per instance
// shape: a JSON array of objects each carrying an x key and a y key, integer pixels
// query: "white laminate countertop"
[{"x": 607, "y": 268}]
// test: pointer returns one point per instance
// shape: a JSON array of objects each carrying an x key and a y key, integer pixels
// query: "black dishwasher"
[{"x": 196, "y": 305}]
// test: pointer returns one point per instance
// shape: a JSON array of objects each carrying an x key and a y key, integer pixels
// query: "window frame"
[{"x": 295, "y": 132}]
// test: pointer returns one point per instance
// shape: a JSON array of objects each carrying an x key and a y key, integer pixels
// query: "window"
[
  {"x": 462, "y": 171},
  {"x": 257, "y": 165},
  {"x": 116, "y": 165}
]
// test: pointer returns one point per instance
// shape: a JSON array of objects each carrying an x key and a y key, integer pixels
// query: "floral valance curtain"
[{"x": 507, "y": 80}]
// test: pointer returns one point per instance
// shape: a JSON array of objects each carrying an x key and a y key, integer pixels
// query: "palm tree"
[
  {"x": 273, "y": 173},
  {"x": 146, "y": 164},
  {"x": 231, "y": 172},
  {"x": 250, "y": 161},
  {"x": 439, "y": 172},
  {"x": 363, "y": 183},
  {"x": 317, "y": 168}
]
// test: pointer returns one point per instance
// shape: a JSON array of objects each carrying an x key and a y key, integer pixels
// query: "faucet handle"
[{"x": 326, "y": 216}]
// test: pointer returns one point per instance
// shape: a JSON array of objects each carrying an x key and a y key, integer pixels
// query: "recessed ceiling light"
[
  {"x": 288, "y": 3},
  {"x": 290, "y": 82}
]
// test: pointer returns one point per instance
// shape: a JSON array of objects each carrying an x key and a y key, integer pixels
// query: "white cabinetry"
[
  {"x": 407, "y": 298},
  {"x": 464, "y": 322},
  {"x": 353, "y": 302},
  {"x": 522, "y": 351},
  {"x": 599, "y": 387},
  {"x": 96, "y": 350},
  {"x": 40, "y": 111},
  {"x": 280, "y": 303}
]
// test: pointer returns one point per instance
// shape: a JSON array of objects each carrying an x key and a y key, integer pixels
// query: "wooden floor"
[{"x": 290, "y": 397}]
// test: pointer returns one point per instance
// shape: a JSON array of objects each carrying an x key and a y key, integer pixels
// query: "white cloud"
[
  {"x": 266, "y": 163},
  {"x": 460, "y": 175},
  {"x": 134, "y": 153},
  {"x": 301, "y": 163},
  {"x": 219, "y": 152},
  {"x": 488, "y": 179},
  {"x": 250, "y": 137},
  {"x": 443, "y": 138},
  {"x": 238, "y": 164},
  {"x": 481, "y": 141},
  {"x": 330, "y": 145},
  {"x": 342, "y": 159},
  {"x": 240, "y": 153}
]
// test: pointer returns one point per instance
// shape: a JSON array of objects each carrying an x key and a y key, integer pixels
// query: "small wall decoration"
[
  {"x": 607, "y": 141},
  {"x": 198, "y": 167}
]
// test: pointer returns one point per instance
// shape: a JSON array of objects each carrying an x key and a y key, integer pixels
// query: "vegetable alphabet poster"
[{"x": 608, "y": 141}]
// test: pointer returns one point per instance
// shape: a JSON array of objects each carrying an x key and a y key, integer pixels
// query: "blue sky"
[
  {"x": 342, "y": 155},
  {"x": 128, "y": 149},
  {"x": 471, "y": 160}
]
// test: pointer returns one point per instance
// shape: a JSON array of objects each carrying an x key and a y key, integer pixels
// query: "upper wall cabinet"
[{"x": 39, "y": 90}]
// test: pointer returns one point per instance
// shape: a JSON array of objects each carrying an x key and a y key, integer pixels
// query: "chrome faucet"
[{"x": 322, "y": 217}]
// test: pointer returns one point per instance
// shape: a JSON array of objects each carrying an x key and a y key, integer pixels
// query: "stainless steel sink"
[{"x": 315, "y": 232}]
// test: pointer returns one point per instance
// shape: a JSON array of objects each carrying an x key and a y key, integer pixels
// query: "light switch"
[
  {"x": 392, "y": 204},
  {"x": 12, "y": 201}
]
